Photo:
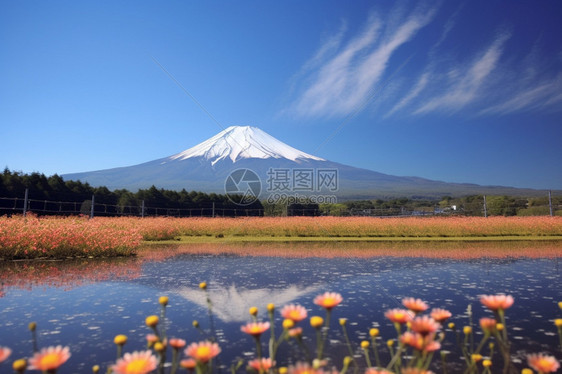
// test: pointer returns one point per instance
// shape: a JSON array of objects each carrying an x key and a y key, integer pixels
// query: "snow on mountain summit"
[{"x": 240, "y": 142}]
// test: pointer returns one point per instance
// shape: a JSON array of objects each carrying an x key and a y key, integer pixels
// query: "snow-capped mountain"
[
  {"x": 206, "y": 167},
  {"x": 240, "y": 142}
]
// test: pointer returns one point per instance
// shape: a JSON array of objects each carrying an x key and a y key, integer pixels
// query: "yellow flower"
[
  {"x": 347, "y": 360},
  {"x": 32, "y": 326},
  {"x": 467, "y": 330},
  {"x": 283, "y": 370},
  {"x": 343, "y": 321},
  {"x": 390, "y": 342},
  {"x": 364, "y": 344},
  {"x": 120, "y": 339},
  {"x": 491, "y": 345},
  {"x": 487, "y": 363},
  {"x": 163, "y": 300},
  {"x": 151, "y": 321},
  {"x": 500, "y": 326},
  {"x": 558, "y": 322},
  {"x": 253, "y": 311},
  {"x": 159, "y": 347},
  {"x": 270, "y": 307},
  {"x": 374, "y": 332},
  {"x": 95, "y": 369},
  {"x": 560, "y": 304},
  {"x": 20, "y": 365},
  {"x": 526, "y": 371},
  {"x": 451, "y": 325},
  {"x": 195, "y": 324},
  {"x": 288, "y": 323},
  {"x": 203, "y": 285},
  {"x": 316, "y": 321},
  {"x": 476, "y": 357}
]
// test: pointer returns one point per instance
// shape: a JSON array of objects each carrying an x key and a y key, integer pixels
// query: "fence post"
[
  {"x": 25, "y": 202},
  {"x": 213, "y": 215},
  {"x": 485, "y": 208},
  {"x": 550, "y": 201},
  {"x": 92, "y": 209},
  {"x": 142, "y": 209}
]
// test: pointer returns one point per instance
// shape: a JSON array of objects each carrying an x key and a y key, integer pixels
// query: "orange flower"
[
  {"x": 415, "y": 305},
  {"x": 50, "y": 358},
  {"x": 5, "y": 352},
  {"x": 203, "y": 351},
  {"x": 151, "y": 338},
  {"x": 495, "y": 302},
  {"x": 440, "y": 315},
  {"x": 255, "y": 328},
  {"x": 415, "y": 371},
  {"x": 420, "y": 342},
  {"x": 294, "y": 312},
  {"x": 188, "y": 364},
  {"x": 305, "y": 368},
  {"x": 424, "y": 325},
  {"x": 377, "y": 371},
  {"x": 328, "y": 300},
  {"x": 263, "y": 364},
  {"x": 177, "y": 343},
  {"x": 488, "y": 324},
  {"x": 398, "y": 315},
  {"x": 543, "y": 363},
  {"x": 140, "y": 362},
  {"x": 297, "y": 331}
]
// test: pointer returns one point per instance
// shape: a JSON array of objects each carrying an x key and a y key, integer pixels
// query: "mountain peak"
[{"x": 241, "y": 142}]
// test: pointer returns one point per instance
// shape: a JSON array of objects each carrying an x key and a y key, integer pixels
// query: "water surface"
[{"x": 85, "y": 303}]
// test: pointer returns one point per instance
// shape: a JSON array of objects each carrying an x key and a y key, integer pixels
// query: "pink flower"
[
  {"x": 255, "y": 328},
  {"x": 5, "y": 352},
  {"x": 203, "y": 351},
  {"x": 415, "y": 305},
  {"x": 296, "y": 313},
  {"x": 440, "y": 315},
  {"x": 377, "y": 371},
  {"x": 424, "y": 325},
  {"x": 328, "y": 300},
  {"x": 139, "y": 362},
  {"x": 50, "y": 358},
  {"x": 305, "y": 368},
  {"x": 398, "y": 315},
  {"x": 177, "y": 343},
  {"x": 263, "y": 364},
  {"x": 420, "y": 342},
  {"x": 543, "y": 363},
  {"x": 495, "y": 302},
  {"x": 488, "y": 324}
]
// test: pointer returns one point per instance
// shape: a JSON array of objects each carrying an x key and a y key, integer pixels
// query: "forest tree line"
[{"x": 55, "y": 188}]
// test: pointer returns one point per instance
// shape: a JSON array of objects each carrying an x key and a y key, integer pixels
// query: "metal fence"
[{"x": 91, "y": 208}]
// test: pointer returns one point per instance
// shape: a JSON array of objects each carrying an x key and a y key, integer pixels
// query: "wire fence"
[
  {"x": 91, "y": 208},
  {"x": 9, "y": 206}
]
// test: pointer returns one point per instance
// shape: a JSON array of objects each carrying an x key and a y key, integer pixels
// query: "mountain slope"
[{"x": 206, "y": 166}]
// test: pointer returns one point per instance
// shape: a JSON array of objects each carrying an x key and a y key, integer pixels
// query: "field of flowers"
[
  {"x": 417, "y": 346},
  {"x": 33, "y": 237}
]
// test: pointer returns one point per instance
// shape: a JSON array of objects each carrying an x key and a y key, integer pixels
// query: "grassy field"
[{"x": 55, "y": 237}]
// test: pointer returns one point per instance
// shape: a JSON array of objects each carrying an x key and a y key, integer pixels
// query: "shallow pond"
[{"x": 85, "y": 303}]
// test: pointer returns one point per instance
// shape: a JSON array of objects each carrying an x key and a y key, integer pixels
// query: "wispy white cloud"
[
  {"x": 536, "y": 96},
  {"x": 464, "y": 83},
  {"x": 416, "y": 90},
  {"x": 344, "y": 81}
]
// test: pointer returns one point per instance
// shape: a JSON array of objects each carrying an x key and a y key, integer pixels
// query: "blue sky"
[{"x": 457, "y": 91}]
